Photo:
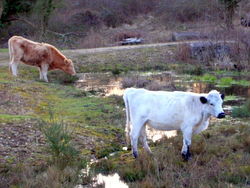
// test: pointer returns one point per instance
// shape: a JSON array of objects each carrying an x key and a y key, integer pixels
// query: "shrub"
[
  {"x": 127, "y": 82},
  {"x": 172, "y": 11},
  {"x": 243, "y": 111},
  {"x": 194, "y": 70},
  {"x": 62, "y": 77},
  {"x": 59, "y": 143},
  {"x": 183, "y": 53}
]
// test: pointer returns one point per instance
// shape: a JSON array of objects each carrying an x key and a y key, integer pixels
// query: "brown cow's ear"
[{"x": 66, "y": 61}]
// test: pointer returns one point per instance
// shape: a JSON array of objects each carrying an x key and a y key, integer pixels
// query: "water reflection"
[
  {"x": 108, "y": 84},
  {"x": 104, "y": 83}
]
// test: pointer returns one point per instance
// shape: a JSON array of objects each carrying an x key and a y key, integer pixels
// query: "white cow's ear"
[
  {"x": 203, "y": 100},
  {"x": 222, "y": 96}
]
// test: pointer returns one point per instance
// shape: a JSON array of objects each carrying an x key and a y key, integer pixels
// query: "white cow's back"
[{"x": 162, "y": 110}]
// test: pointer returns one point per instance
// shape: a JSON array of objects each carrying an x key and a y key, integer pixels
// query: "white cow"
[{"x": 185, "y": 111}]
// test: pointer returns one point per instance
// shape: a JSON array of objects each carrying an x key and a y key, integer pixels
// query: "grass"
[
  {"x": 7, "y": 118},
  {"x": 220, "y": 159},
  {"x": 124, "y": 60},
  {"x": 221, "y": 82},
  {"x": 4, "y": 50},
  {"x": 95, "y": 124},
  {"x": 225, "y": 82},
  {"x": 209, "y": 78}
]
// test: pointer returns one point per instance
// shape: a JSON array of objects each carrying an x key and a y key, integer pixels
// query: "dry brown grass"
[{"x": 220, "y": 158}]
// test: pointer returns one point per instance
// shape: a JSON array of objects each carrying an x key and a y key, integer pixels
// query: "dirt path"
[
  {"x": 4, "y": 56},
  {"x": 108, "y": 49}
]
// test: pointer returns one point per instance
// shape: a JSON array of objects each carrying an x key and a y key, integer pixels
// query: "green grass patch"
[
  {"x": 8, "y": 118},
  {"x": 4, "y": 50},
  {"x": 231, "y": 98},
  {"x": 244, "y": 83}
]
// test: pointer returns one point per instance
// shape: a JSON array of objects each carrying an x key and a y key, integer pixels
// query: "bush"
[
  {"x": 183, "y": 53},
  {"x": 59, "y": 141},
  {"x": 62, "y": 77},
  {"x": 173, "y": 11},
  {"x": 243, "y": 111}
]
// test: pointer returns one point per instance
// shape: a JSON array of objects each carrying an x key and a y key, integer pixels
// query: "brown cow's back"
[{"x": 29, "y": 52}]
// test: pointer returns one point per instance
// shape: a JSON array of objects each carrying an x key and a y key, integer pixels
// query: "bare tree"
[{"x": 230, "y": 8}]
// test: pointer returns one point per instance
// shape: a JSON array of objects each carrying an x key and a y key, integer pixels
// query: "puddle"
[
  {"x": 108, "y": 84},
  {"x": 109, "y": 181}
]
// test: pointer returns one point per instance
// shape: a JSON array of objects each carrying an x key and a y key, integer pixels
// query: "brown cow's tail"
[
  {"x": 128, "y": 123},
  {"x": 10, "y": 53}
]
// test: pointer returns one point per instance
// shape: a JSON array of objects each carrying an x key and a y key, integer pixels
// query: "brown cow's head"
[{"x": 69, "y": 67}]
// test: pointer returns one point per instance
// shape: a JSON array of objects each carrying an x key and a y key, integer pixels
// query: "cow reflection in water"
[{"x": 185, "y": 111}]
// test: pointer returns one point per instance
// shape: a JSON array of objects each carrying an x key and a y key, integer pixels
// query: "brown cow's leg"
[
  {"x": 13, "y": 66},
  {"x": 44, "y": 70},
  {"x": 40, "y": 73}
]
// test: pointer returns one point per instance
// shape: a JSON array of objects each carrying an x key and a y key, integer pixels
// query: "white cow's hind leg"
[
  {"x": 134, "y": 135},
  {"x": 143, "y": 139},
  {"x": 44, "y": 69},
  {"x": 187, "y": 139}
]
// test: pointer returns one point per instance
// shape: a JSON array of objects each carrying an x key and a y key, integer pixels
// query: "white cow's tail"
[{"x": 128, "y": 123}]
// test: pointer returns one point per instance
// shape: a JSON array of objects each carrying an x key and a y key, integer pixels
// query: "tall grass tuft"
[{"x": 59, "y": 144}]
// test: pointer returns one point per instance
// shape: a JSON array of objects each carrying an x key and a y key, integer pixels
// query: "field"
[{"x": 50, "y": 132}]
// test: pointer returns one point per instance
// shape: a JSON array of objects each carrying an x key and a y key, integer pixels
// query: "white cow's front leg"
[
  {"x": 187, "y": 138},
  {"x": 143, "y": 139},
  {"x": 44, "y": 70}
]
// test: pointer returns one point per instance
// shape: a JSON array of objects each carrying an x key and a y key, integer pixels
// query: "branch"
[
  {"x": 23, "y": 20},
  {"x": 65, "y": 34}
]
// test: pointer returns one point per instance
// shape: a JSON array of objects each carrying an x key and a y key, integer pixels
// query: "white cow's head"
[{"x": 213, "y": 103}]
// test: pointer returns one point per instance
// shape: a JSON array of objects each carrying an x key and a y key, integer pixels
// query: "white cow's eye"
[{"x": 211, "y": 104}]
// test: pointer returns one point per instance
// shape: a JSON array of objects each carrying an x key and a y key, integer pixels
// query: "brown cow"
[{"x": 44, "y": 56}]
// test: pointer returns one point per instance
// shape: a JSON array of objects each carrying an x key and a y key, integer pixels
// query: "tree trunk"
[
  {"x": 1, "y": 8},
  {"x": 229, "y": 17}
]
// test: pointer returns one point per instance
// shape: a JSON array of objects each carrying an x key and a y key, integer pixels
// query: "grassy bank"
[
  {"x": 95, "y": 122},
  {"x": 95, "y": 128}
]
